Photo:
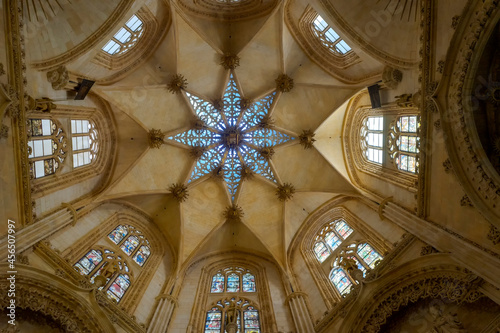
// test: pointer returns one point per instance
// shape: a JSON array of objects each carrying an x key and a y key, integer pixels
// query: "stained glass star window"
[{"x": 233, "y": 136}]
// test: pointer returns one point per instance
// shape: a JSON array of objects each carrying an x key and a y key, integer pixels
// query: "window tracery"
[
  {"x": 135, "y": 245},
  {"x": 112, "y": 268},
  {"x": 233, "y": 280},
  {"x": 47, "y": 146},
  {"x": 404, "y": 142},
  {"x": 238, "y": 312},
  {"x": 84, "y": 142},
  {"x": 372, "y": 139},
  {"x": 330, "y": 238},
  {"x": 125, "y": 38},
  {"x": 328, "y": 37}
]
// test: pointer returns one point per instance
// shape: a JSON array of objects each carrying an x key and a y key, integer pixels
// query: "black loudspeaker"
[
  {"x": 374, "y": 96},
  {"x": 83, "y": 89}
]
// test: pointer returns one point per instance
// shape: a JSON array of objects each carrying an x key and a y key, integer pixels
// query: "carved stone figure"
[{"x": 445, "y": 322}]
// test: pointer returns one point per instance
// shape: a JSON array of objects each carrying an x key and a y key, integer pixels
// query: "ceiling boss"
[{"x": 235, "y": 136}]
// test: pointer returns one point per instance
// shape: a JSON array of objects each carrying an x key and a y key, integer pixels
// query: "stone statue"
[{"x": 445, "y": 322}]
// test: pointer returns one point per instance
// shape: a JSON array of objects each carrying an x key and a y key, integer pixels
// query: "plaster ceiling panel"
[
  {"x": 154, "y": 172},
  {"x": 201, "y": 213},
  {"x": 198, "y": 62},
  {"x": 308, "y": 171},
  {"x": 329, "y": 142},
  {"x": 293, "y": 55},
  {"x": 306, "y": 107},
  {"x": 299, "y": 208},
  {"x": 261, "y": 59},
  {"x": 310, "y": 73},
  {"x": 152, "y": 107},
  {"x": 232, "y": 236},
  {"x": 263, "y": 214}
]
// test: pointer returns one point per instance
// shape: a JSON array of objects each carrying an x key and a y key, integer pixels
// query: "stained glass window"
[
  {"x": 84, "y": 142},
  {"x": 251, "y": 320},
  {"x": 332, "y": 240},
  {"x": 46, "y": 147},
  {"x": 248, "y": 283},
  {"x": 130, "y": 244},
  {"x": 368, "y": 255},
  {"x": 217, "y": 283},
  {"x": 89, "y": 262},
  {"x": 231, "y": 136},
  {"x": 373, "y": 137},
  {"x": 233, "y": 283},
  {"x": 125, "y": 38},
  {"x": 340, "y": 280},
  {"x": 117, "y": 235},
  {"x": 329, "y": 37},
  {"x": 343, "y": 229},
  {"x": 213, "y": 323},
  {"x": 407, "y": 143},
  {"x": 321, "y": 251},
  {"x": 142, "y": 255},
  {"x": 118, "y": 287}
]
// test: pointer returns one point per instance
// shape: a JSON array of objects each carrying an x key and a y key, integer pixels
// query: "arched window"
[
  {"x": 109, "y": 266},
  {"x": 360, "y": 256},
  {"x": 84, "y": 142},
  {"x": 330, "y": 237},
  {"x": 404, "y": 142},
  {"x": 135, "y": 245},
  {"x": 125, "y": 38},
  {"x": 46, "y": 147},
  {"x": 329, "y": 38},
  {"x": 234, "y": 310},
  {"x": 238, "y": 279},
  {"x": 372, "y": 139}
]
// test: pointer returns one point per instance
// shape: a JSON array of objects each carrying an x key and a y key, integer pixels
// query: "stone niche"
[{"x": 443, "y": 316}]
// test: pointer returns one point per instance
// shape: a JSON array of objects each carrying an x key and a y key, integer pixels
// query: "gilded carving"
[
  {"x": 230, "y": 61},
  {"x": 245, "y": 103},
  {"x": 233, "y": 213},
  {"x": 285, "y": 192},
  {"x": 177, "y": 83},
  {"x": 59, "y": 78},
  {"x": 197, "y": 151},
  {"x": 447, "y": 166},
  {"x": 179, "y": 191},
  {"x": 428, "y": 249},
  {"x": 266, "y": 152},
  {"x": 2, "y": 70},
  {"x": 437, "y": 124},
  {"x": 246, "y": 172},
  {"x": 218, "y": 105},
  {"x": 455, "y": 20},
  {"x": 4, "y": 131},
  {"x": 155, "y": 138},
  {"x": 440, "y": 68},
  {"x": 465, "y": 201},
  {"x": 218, "y": 173},
  {"x": 266, "y": 122},
  {"x": 307, "y": 139},
  {"x": 284, "y": 83}
]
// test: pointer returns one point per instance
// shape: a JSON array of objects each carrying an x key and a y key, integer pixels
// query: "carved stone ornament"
[
  {"x": 197, "y": 151},
  {"x": 246, "y": 172},
  {"x": 218, "y": 104},
  {"x": 58, "y": 77},
  {"x": 465, "y": 201},
  {"x": 307, "y": 138},
  {"x": 284, "y": 83},
  {"x": 266, "y": 152},
  {"x": 496, "y": 146},
  {"x": 233, "y": 213},
  {"x": 9, "y": 101},
  {"x": 177, "y": 83},
  {"x": 391, "y": 77},
  {"x": 455, "y": 21},
  {"x": 218, "y": 173},
  {"x": 447, "y": 166},
  {"x": 155, "y": 138},
  {"x": 4, "y": 131},
  {"x": 41, "y": 105},
  {"x": 440, "y": 67},
  {"x": 2, "y": 70},
  {"x": 22, "y": 259},
  {"x": 179, "y": 191},
  {"x": 245, "y": 103},
  {"x": 285, "y": 192},
  {"x": 428, "y": 249},
  {"x": 199, "y": 124},
  {"x": 404, "y": 100},
  {"x": 230, "y": 61},
  {"x": 494, "y": 235},
  {"x": 266, "y": 122},
  {"x": 437, "y": 124}
]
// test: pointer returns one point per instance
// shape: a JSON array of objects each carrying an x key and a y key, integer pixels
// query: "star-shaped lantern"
[{"x": 235, "y": 136}]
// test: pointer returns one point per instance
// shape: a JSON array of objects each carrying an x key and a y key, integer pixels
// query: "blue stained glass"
[
  {"x": 343, "y": 229},
  {"x": 369, "y": 255},
  {"x": 232, "y": 175},
  {"x": 202, "y": 138},
  {"x": 340, "y": 280},
  {"x": 205, "y": 110},
  {"x": 257, "y": 163},
  {"x": 233, "y": 283},
  {"x": 263, "y": 137},
  {"x": 117, "y": 235},
  {"x": 142, "y": 255},
  {"x": 254, "y": 114},
  {"x": 207, "y": 162},
  {"x": 248, "y": 283},
  {"x": 213, "y": 323},
  {"x": 232, "y": 100},
  {"x": 217, "y": 283}
]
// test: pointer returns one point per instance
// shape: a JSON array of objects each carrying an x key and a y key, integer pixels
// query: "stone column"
[
  {"x": 469, "y": 254},
  {"x": 300, "y": 314},
  {"x": 162, "y": 315}
]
